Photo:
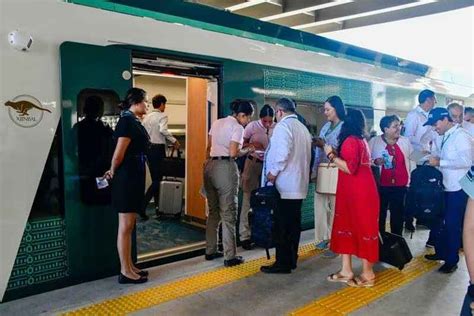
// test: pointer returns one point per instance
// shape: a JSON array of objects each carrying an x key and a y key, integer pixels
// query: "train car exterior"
[{"x": 48, "y": 237}]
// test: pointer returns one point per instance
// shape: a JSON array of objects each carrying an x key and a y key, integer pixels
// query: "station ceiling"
[{"x": 322, "y": 16}]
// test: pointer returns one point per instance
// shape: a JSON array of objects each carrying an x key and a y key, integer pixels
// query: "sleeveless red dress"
[{"x": 355, "y": 228}]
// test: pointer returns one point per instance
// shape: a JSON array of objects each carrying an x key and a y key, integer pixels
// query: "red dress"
[{"x": 355, "y": 229}]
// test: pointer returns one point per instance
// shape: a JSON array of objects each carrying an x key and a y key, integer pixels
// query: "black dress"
[{"x": 128, "y": 184}]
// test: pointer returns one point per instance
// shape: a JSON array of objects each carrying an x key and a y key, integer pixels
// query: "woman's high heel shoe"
[{"x": 122, "y": 279}]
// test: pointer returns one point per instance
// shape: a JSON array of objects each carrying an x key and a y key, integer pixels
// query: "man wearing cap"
[
  {"x": 454, "y": 159},
  {"x": 286, "y": 165},
  {"x": 421, "y": 137}
]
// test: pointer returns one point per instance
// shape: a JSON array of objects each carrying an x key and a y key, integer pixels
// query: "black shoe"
[
  {"x": 433, "y": 257},
  {"x": 409, "y": 227},
  {"x": 448, "y": 268},
  {"x": 143, "y": 273},
  {"x": 275, "y": 269},
  {"x": 122, "y": 279},
  {"x": 247, "y": 244},
  {"x": 214, "y": 255},
  {"x": 234, "y": 261}
]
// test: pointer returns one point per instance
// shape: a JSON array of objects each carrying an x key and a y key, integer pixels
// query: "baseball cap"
[{"x": 436, "y": 115}]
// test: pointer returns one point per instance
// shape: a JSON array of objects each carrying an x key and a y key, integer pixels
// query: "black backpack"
[{"x": 425, "y": 197}]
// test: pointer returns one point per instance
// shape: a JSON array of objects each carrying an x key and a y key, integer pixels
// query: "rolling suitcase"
[
  {"x": 171, "y": 197},
  {"x": 394, "y": 250},
  {"x": 263, "y": 202}
]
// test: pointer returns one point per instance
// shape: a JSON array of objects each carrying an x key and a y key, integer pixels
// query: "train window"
[
  {"x": 97, "y": 113},
  {"x": 48, "y": 198}
]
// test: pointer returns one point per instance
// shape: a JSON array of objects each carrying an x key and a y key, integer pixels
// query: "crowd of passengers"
[{"x": 373, "y": 174}]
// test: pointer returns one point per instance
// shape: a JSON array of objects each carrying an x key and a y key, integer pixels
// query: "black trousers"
[
  {"x": 287, "y": 232},
  {"x": 392, "y": 198},
  {"x": 155, "y": 156}
]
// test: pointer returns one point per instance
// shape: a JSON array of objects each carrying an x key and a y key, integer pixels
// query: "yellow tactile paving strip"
[
  {"x": 184, "y": 287},
  {"x": 349, "y": 299}
]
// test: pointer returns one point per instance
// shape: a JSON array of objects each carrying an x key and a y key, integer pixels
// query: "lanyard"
[
  {"x": 445, "y": 139},
  {"x": 331, "y": 129}
]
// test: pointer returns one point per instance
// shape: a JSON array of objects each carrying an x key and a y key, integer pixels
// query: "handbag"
[
  {"x": 393, "y": 250},
  {"x": 173, "y": 166},
  {"x": 326, "y": 181}
]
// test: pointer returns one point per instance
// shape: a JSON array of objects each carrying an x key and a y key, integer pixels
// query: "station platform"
[{"x": 199, "y": 287}]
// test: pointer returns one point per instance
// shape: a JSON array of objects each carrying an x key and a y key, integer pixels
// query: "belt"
[
  {"x": 222, "y": 158},
  {"x": 157, "y": 145},
  {"x": 255, "y": 159}
]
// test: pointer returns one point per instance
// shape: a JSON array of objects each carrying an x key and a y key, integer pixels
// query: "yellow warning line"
[
  {"x": 350, "y": 299},
  {"x": 184, "y": 287}
]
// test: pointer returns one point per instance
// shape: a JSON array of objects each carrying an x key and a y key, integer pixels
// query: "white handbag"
[{"x": 326, "y": 182}]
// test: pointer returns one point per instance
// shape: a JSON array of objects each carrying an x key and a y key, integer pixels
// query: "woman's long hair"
[
  {"x": 134, "y": 96},
  {"x": 336, "y": 103},
  {"x": 354, "y": 125}
]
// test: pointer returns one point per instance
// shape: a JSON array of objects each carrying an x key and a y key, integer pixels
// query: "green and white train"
[{"x": 53, "y": 54}]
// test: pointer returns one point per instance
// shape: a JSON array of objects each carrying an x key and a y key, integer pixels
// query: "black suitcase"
[
  {"x": 263, "y": 202},
  {"x": 393, "y": 250}
]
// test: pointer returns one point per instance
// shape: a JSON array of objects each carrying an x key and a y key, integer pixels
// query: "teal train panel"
[{"x": 42, "y": 256}]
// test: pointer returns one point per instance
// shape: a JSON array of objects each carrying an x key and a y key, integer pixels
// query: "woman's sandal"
[
  {"x": 338, "y": 277},
  {"x": 359, "y": 281}
]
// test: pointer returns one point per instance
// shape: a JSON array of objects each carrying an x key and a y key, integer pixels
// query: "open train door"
[{"x": 91, "y": 228}]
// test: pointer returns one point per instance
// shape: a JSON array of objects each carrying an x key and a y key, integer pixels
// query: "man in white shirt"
[
  {"x": 456, "y": 112},
  {"x": 454, "y": 160},
  {"x": 287, "y": 163},
  {"x": 156, "y": 124},
  {"x": 421, "y": 137}
]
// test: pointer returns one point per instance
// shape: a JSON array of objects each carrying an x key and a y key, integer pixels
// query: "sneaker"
[
  {"x": 234, "y": 261},
  {"x": 214, "y": 255},
  {"x": 323, "y": 245}
]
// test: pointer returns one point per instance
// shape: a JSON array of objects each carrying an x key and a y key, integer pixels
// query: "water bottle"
[{"x": 387, "y": 160}]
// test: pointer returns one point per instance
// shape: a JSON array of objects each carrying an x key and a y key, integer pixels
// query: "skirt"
[{"x": 128, "y": 185}]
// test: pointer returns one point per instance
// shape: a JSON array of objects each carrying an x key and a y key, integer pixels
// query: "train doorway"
[{"x": 191, "y": 90}]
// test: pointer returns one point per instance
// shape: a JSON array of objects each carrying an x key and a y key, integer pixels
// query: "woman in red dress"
[{"x": 355, "y": 228}]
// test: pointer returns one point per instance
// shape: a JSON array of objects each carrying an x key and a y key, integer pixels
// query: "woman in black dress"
[{"x": 128, "y": 174}]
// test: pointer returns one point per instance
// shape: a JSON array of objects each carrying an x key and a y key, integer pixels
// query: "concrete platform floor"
[{"x": 431, "y": 294}]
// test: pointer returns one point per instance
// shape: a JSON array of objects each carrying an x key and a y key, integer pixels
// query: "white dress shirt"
[
  {"x": 288, "y": 157},
  {"x": 223, "y": 131},
  {"x": 468, "y": 126},
  {"x": 420, "y": 136},
  {"x": 456, "y": 156},
  {"x": 156, "y": 124}
]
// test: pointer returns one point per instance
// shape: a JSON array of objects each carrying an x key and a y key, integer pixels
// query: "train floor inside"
[{"x": 198, "y": 287}]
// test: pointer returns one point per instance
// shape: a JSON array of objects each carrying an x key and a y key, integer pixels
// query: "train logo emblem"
[{"x": 25, "y": 111}]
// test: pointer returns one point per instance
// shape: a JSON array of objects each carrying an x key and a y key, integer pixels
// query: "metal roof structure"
[{"x": 321, "y": 16}]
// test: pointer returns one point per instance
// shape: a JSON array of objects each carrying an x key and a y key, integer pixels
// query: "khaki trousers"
[
  {"x": 323, "y": 215},
  {"x": 221, "y": 182},
  {"x": 250, "y": 181}
]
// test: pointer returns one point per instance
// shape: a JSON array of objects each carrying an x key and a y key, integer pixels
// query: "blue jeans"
[
  {"x": 447, "y": 233},
  {"x": 466, "y": 308}
]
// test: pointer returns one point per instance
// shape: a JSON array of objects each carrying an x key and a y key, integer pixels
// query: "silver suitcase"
[{"x": 171, "y": 197}]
